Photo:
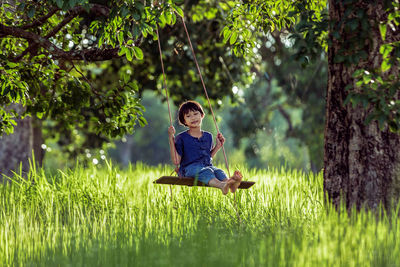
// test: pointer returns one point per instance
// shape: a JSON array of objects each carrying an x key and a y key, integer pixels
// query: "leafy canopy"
[
  {"x": 42, "y": 41},
  {"x": 376, "y": 88}
]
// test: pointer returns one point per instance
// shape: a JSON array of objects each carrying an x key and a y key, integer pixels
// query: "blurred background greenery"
[
  {"x": 269, "y": 102},
  {"x": 275, "y": 120}
]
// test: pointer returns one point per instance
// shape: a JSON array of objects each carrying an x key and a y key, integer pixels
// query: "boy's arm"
[
  {"x": 176, "y": 159},
  {"x": 218, "y": 144}
]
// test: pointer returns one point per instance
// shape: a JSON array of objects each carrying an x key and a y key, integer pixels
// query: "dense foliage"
[
  {"x": 81, "y": 66},
  {"x": 374, "y": 88}
]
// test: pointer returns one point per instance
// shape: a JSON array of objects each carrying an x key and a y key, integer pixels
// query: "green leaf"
[
  {"x": 122, "y": 51},
  {"x": 367, "y": 79},
  {"x": 136, "y": 15},
  {"x": 271, "y": 25},
  {"x": 358, "y": 73},
  {"x": 227, "y": 34},
  {"x": 385, "y": 50},
  {"x": 369, "y": 118},
  {"x": 12, "y": 64},
  {"x": 179, "y": 11},
  {"x": 173, "y": 18},
  {"x": 121, "y": 37},
  {"x": 142, "y": 121},
  {"x": 128, "y": 54},
  {"x": 348, "y": 87},
  {"x": 338, "y": 59},
  {"x": 126, "y": 77},
  {"x": 382, "y": 119},
  {"x": 134, "y": 86},
  {"x": 101, "y": 40},
  {"x": 124, "y": 11},
  {"x": 138, "y": 52},
  {"x": 224, "y": 30},
  {"x": 347, "y": 100},
  {"x": 72, "y": 3},
  {"x": 235, "y": 51},
  {"x": 21, "y": 6},
  {"x": 139, "y": 6},
  {"x": 59, "y": 3},
  {"x": 31, "y": 12},
  {"x": 379, "y": 79},
  {"x": 385, "y": 66},
  {"x": 40, "y": 114},
  {"x": 168, "y": 18},
  {"x": 382, "y": 29},
  {"x": 233, "y": 38},
  {"x": 136, "y": 31},
  {"x": 144, "y": 32}
]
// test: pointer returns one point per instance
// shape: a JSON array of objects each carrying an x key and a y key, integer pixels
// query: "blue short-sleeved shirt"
[{"x": 193, "y": 149}]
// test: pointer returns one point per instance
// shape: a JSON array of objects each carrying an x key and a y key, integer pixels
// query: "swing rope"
[
  {"x": 169, "y": 108},
  {"x": 202, "y": 81},
  {"x": 166, "y": 94}
]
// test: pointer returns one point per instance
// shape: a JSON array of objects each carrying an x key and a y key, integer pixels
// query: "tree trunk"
[
  {"x": 16, "y": 149},
  {"x": 361, "y": 162}
]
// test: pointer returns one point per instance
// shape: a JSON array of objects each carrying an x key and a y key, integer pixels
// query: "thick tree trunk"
[
  {"x": 16, "y": 149},
  {"x": 361, "y": 162}
]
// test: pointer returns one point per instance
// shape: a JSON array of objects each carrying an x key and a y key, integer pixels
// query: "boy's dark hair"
[{"x": 187, "y": 106}]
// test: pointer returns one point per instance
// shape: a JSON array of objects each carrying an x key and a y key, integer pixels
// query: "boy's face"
[{"x": 193, "y": 118}]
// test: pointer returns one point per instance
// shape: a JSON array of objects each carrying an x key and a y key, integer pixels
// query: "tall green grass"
[{"x": 111, "y": 217}]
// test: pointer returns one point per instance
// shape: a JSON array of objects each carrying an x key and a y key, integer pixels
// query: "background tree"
[
  {"x": 361, "y": 161},
  {"x": 361, "y": 152},
  {"x": 283, "y": 85}
]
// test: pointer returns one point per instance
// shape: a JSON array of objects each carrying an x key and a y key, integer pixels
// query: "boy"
[{"x": 193, "y": 150}]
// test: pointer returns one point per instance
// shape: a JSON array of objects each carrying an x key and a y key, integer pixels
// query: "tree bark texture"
[
  {"x": 361, "y": 162},
  {"x": 16, "y": 148}
]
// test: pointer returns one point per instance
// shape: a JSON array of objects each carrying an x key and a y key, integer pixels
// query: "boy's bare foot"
[
  {"x": 226, "y": 186},
  {"x": 236, "y": 178}
]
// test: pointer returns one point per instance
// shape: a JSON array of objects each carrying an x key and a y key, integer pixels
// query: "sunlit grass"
[{"x": 111, "y": 217}]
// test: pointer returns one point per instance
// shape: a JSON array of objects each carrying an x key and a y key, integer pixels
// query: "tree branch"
[
  {"x": 40, "y": 21},
  {"x": 71, "y": 15},
  {"x": 94, "y": 54},
  {"x": 86, "y": 79},
  {"x": 98, "y": 9},
  {"x": 36, "y": 41},
  {"x": 287, "y": 118}
]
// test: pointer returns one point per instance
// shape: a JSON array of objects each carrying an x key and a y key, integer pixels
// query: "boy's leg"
[
  {"x": 224, "y": 186},
  {"x": 235, "y": 180},
  {"x": 208, "y": 176},
  {"x": 220, "y": 174}
]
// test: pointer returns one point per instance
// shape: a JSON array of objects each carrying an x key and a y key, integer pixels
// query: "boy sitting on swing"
[{"x": 193, "y": 150}]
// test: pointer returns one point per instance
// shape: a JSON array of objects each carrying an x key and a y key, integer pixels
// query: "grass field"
[{"x": 110, "y": 217}]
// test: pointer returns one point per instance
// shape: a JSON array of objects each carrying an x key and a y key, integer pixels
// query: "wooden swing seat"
[{"x": 189, "y": 181}]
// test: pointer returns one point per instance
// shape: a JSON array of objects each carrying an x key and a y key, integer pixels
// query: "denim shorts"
[{"x": 204, "y": 173}]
